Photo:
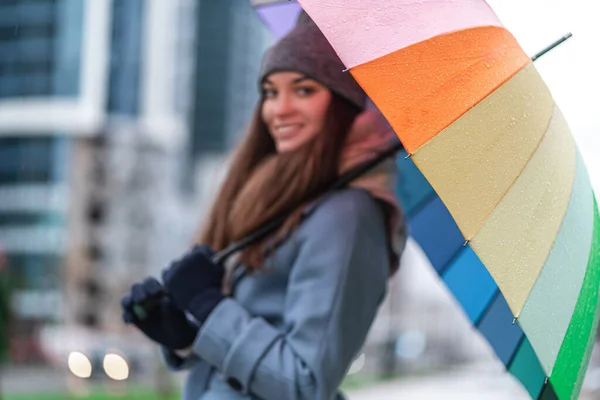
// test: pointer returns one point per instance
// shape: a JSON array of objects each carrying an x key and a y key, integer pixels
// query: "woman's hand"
[
  {"x": 194, "y": 282},
  {"x": 165, "y": 324}
]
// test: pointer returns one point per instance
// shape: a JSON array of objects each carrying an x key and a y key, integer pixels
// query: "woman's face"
[{"x": 294, "y": 109}]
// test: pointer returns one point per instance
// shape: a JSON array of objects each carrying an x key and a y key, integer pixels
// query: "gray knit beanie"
[{"x": 305, "y": 50}]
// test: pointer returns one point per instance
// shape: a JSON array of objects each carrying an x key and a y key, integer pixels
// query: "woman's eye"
[
  {"x": 268, "y": 93},
  {"x": 305, "y": 91}
]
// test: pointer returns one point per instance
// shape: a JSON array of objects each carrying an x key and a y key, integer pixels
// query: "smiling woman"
[{"x": 288, "y": 317}]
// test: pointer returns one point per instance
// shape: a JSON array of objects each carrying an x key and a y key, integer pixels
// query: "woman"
[{"x": 289, "y": 318}]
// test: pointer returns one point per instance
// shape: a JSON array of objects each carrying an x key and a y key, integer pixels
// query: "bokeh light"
[
  {"x": 116, "y": 367},
  {"x": 80, "y": 365}
]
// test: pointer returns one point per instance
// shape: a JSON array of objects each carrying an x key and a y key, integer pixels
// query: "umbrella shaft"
[{"x": 552, "y": 46}]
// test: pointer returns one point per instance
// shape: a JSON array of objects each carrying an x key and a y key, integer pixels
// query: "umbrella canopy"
[
  {"x": 279, "y": 15},
  {"x": 496, "y": 191}
]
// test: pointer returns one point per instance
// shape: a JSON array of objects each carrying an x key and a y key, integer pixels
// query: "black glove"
[
  {"x": 194, "y": 282},
  {"x": 165, "y": 323}
]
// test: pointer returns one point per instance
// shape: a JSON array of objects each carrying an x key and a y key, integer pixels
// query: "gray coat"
[{"x": 293, "y": 330}]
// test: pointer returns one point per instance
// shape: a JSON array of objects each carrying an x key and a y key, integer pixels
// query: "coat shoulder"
[
  {"x": 345, "y": 203},
  {"x": 345, "y": 212}
]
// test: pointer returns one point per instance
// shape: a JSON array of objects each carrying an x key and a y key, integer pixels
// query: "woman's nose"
[{"x": 284, "y": 104}]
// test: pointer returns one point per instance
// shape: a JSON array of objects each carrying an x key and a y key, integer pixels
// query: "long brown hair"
[{"x": 262, "y": 184}]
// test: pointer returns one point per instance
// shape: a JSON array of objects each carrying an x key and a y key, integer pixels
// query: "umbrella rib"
[
  {"x": 513, "y": 356},
  {"x": 543, "y": 390},
  {"x": 514, "y": 180},
  {"x": 472, "y": 106},
  {"x": 487, "y": 308},
  {"x": 417, "y": 208},
  {"x": 455, "y": 255},
  {"x": 486, "y": 312}
]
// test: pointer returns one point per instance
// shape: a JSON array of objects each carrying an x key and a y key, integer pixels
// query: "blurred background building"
[
  {"x": 49, "y": 99},
  {"x": 112, "y": 113}
]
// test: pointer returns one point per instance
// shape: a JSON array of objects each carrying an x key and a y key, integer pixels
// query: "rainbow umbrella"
[{"x": 504, "y": 207}]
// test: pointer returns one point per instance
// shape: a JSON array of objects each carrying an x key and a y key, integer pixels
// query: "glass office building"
[
  {"x": 40, "y": 60},
  {"x": 141, "y": 66},
  {"x": 40, "y": 47},
  {"x": 231, "y": 40}
]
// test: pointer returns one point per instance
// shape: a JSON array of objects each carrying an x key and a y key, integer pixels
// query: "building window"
[
  {"x": 40, "y": 44},
  {"x": 125, "y": 57},
  {"x": 35, "y": 271},
  {"x": 30, "y": 218},
  {"x": 31, "y": 159},
  {"x": 68, "y": 54}
]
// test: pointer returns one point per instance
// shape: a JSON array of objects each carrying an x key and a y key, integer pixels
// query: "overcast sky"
[{"x": 572, "y": 70}]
